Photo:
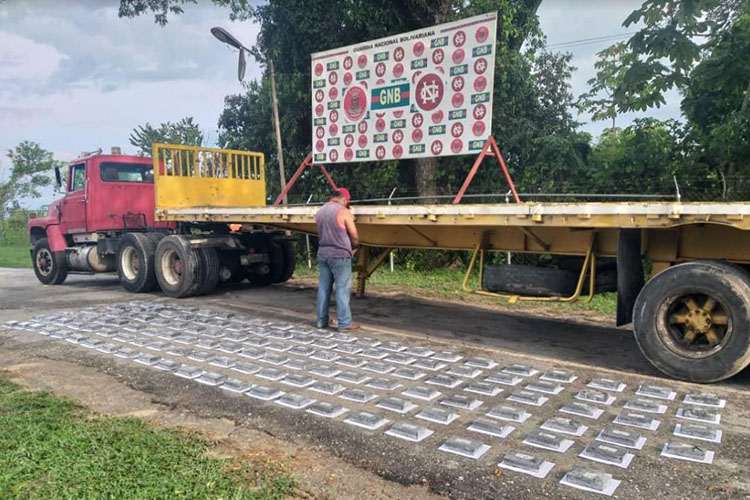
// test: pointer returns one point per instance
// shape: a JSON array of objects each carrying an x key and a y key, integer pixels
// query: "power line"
[{"x": 588, "y": 41}]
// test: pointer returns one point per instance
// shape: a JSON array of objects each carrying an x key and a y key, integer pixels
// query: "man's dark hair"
[{"x": 337, "y": 194}]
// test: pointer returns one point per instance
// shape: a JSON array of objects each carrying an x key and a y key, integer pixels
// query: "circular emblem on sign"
[
  {"x": 457, "y": 145},
  {"x": 362, "y": 141},
  {"x": 457, "y": 84},
  {"x": 319, "y": 109},
  {"x": 333, "y": 155},
  {"x": 416, "y": 135},
  {"x": 380, "y": 125},
  {"x": 320, "y": 132},
  {"x": 380, "y": 152},
  {"x": 397, "y": 151},
  {"x": 479, "y": 111},
  {"x": 380, "y": 69},
  {"x": 397, "y": 136},
  {"x": 459, "y": 38},
  {"x": 320, "y": 145},
  {"x": 333, "y": 116},
  {"x": 478, "y": 128},
  {"x": 437, "y": 116},
  {"x": 418, "y": 49},
  {"x": 348, "y": 154},
  {"x": 333, "y": 93},
  {"x": 429, "y": 92},
  {"x": 362, "y": 61},
  {"x": 398, "y": 54},
  {"x": 480, "y": 66},
  {"x": 355, "y": 103},
  {"x": 482, "y": 33},
  {"x": 480, "y": 83},
  {"x": 348, "y": 140},
  {"x": 416, "y": 120},
  {"x": 398, "y": 70},
  {"x": 458, "y": 100},
  {"x": 437, "y": 56},
  {"x": 347, "y": 78},
  {"x": 319, "y": 95},
  {"x": 333, "y": 77},
  {"x": 458, "y": 56},
  {"x": 318, "y": 69},
  {"x": 348, "y": 62},
  {"x": 333, "y": 129},
  {"x": 436, "y": 147},
  {"x": 362, "y": 127},
  {"x": 457, "y": 129}
]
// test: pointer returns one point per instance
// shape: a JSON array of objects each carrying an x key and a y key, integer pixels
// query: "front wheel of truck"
[{"x": 51, "y": 268}]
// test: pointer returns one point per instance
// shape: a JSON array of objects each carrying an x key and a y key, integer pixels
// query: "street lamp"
[{"x": 226, "y": 37}]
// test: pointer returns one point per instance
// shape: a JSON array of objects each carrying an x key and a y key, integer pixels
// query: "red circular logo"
[
  {"x": 458, "y": 56},
  {"x": 398, "y": 70},
  {"x": 480, "y": 83},
  {"x": 348, "y": 62},
  {"x": 362, "y": 141},
  {"x": 457, "y": 84},
  {"x": 416, "y": 135},
  {"x": 457, "y": 129},
  {"x": 380, "y": 69},
  {"x": 347, "y": 78},
  {"x": 362, "y": 61},
  {"x": 482, "y": 33},
  {"x": 348, "y": 140},
  {"x": 333, "y": 116},
  {"x": 362, "y": 127},
  {"x": 319, "y": 109},
  {"x": 380, "y": 152},
  {"x": 418, "y": 49},
  {"x": 355, "y": 103},
  {"x": 333, "y": 155},
  {"x": 320, "y": 145},
  {"x": 379, "y": 124},
  {"x": 480, "y": 65},
  {"x": 437, "y": 116},
  {"x": 457, "y": 145},
  {"x": 457, "y": 100},
  {"x": 319, "y": 95},
  {"x": 416, "y": 120},
  {"x": 333, "y": 78},
  {"x": 348, "y": 154},
  {"x": 333, "y": 129},
  {"x": 320, "y": 132},
  {"x": 459, "y": 38},
  {"x": 333, "y": 93},
  {"x": 479, "y": 112},
  {"x": 397, "y": 151},
  {"x": 437, "y": 56},
  {"x": 397, "y": 136},
  {"x": 436, "y": 147},
  {"x": 478, "y": 128},
  {"x": 398, "y": 54},
  {"x": 429, "y": 92},
  {"x": 318, "y": 69}
]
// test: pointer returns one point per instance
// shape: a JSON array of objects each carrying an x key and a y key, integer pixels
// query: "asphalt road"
[{"x": 587, "y": 351}]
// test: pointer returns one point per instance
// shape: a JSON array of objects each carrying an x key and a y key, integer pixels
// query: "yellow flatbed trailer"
[{"x": 691, "y": 318}]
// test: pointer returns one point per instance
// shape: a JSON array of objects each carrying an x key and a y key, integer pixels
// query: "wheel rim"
[
  {"x": 171, "y": 266},
  {"x": 695, "y": 324},
  {"x": 130, "y": 263},
  {"x": 44, "y": 262}
]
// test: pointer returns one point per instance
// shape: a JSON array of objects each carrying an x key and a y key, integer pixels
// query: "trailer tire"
[
  {"x": 136, "y": 262},
  {"x": 529, "y": 280},
  {"x": 178, "y": 267},
  {"x": 692, "y": 321},
  {"x": 51, "y": 268},
  {"x": 208, "y": 271},
  {"x": 289, "y": 256}
]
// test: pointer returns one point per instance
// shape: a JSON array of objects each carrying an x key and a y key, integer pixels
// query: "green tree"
[
  {"x": 184, "y": 132},
  {"x": 31, "y": 169}
]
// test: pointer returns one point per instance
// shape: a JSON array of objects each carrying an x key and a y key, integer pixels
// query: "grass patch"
[
  {"x": 446, "y": 284},
  {"x": 14, "y": 256},
  {"x": 51, "y": 448}
]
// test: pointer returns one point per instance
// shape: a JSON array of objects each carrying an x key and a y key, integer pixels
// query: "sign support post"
[
  {"x": 490, "y": 148},
  {"x": 307, "y": 162}
]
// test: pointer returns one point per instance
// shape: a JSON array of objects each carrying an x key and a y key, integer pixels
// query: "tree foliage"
[
  {"x": 185, "y": 131},
  {"x": 31, "y": 170}
]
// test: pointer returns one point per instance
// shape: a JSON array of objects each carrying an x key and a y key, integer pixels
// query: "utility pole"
[{"x": 277, "y": 128}]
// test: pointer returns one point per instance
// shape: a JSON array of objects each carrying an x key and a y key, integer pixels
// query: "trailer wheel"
[
  {"x": 51, "y": 268},
  {"x": 208, "y": 271},
  {"x": 289, "y": 261},
  {"x": 692, "y": 321},
  {"x": 135, "y": 262},
  {"x": 177, "y": 267}
]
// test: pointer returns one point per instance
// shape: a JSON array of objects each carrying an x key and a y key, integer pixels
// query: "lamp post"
[{"x": 226, "y": 37}]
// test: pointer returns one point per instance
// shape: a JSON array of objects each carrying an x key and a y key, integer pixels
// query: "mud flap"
[{"x": 629, "y": 273}]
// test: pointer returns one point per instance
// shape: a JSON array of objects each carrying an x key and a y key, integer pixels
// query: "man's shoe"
[
  {"x": 351, "y": 328},
  {"x": 322, "y": 326}
]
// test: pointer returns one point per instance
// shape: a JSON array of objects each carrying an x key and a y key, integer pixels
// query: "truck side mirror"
[{"x": 58, "y": 178}]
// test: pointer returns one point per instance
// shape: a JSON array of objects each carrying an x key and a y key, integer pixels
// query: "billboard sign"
[{"x": 419, "y": 94}]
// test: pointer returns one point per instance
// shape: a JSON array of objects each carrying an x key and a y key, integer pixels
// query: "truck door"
[{"x": 74, "y": 203}]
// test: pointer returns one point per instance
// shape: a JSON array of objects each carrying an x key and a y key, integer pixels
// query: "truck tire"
[
  {"x": 289, "y": 261},
  {"x": 51, "y": 268},
  {"x": 692, "y": 321},
  {"x": 529, "y": 280},
  {"x": 208, "y": 271},
  {"x": 178, "y": 267},
  {"x": 136, "y": 262}
]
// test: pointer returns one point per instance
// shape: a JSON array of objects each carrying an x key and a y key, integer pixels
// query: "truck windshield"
[{"x": 126, "y": 172}]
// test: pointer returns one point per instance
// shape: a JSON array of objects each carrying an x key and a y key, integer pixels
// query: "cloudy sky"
[{"x": 75, "y": 77}]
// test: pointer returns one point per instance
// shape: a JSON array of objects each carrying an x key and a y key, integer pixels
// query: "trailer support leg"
[{"x": 363, "y": 271}]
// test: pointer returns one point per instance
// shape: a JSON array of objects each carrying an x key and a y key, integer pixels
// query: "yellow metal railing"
[{"x": 190, "y": 176}]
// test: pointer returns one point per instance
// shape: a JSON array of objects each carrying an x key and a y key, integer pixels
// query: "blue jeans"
[{"x": 332, "y": 271}]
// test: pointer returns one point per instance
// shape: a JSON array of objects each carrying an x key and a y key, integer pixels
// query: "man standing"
[{"x": 337, "y": 237}]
